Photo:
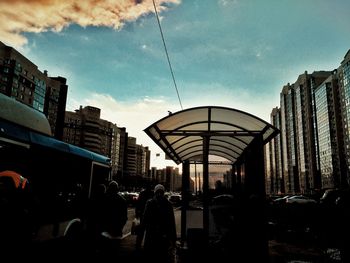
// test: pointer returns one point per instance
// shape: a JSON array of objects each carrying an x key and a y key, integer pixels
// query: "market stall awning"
[{"x": 229, "y": 131}]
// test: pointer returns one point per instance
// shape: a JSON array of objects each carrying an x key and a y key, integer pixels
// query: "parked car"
[
  {"x": 300, "y": 199},
  {"x": 280, "y": 200},
  {"x": 330, "y": 196},
  {"x": 175, "y": 199},
  {"x": 130, "y": 197}
]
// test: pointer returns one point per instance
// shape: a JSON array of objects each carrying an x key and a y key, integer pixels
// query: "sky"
[{"x": 233, "y": 53}]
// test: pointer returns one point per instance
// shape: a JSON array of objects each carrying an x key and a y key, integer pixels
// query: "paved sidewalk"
[{"x": 279, "y": 252}]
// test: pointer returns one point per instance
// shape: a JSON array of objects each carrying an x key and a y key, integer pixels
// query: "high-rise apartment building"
[
  {"x": 143, "y": 161},
  {"x": 21, "y": 79},
  {"x": 123, "y": 157},
  {"x": 86, "y": 129},
  {"x": 344, "y": 89},
  {"x": 55, "y": 104},
  {"x": 313, "y": 148},
  {"x": 305, "y": 132},
  {"x": 329, "y": 135},
  {"x": 268, "y": 157},
  {"x": 273, "y": 154},
  {"x": 298, "y": 139},
  {"x": 131, "y": 170},
  {"x": 137, "y": 168},
  {"x": 290, "y": 166}
]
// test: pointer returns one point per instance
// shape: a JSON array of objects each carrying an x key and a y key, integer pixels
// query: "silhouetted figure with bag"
[
  {"x": 144, "y": 196},
  {"x": 115, "y": 217},
  {"x": 159, "y": 223},
  {"x": 16, "y": 224},
  {"x": 96, "y": 217},
  {"x": 116, "y": 212}
]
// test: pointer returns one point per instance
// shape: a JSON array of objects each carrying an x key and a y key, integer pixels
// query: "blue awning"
[{"x": 15, "y": 132}]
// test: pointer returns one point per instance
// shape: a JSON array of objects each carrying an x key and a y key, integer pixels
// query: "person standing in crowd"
[
  {"x": 116, "y": 212},
  {"x": 96, "y": 215},
  {"x": 16, "y": 224},
  {"x": 159, "y": 223},
  {"x": 144, "y": 196},
  {"x": 114, "y": 216}
]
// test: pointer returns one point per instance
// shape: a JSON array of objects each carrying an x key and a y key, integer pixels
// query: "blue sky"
[{"x": 230, "y": 53}]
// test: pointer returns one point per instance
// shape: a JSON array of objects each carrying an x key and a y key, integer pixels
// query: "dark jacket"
[
  {"x": 116, "y": 213},
  {"x": 144, "y": 196},
  {"x": 159, "y": 223}
]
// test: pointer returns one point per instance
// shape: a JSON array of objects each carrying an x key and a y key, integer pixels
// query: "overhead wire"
[{"x": 166, "y": 52}]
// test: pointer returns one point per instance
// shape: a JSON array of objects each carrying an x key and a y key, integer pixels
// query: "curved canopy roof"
[{"x": 229, "y": 132}]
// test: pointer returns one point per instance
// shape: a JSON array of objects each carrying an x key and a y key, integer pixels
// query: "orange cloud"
[{"x": 19, "y": 16}]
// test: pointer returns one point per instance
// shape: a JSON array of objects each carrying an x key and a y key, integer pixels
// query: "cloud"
[
  {"x": 137, "y": 114},
  {"x": 35, "y": 16},
  {"x": 226, "y": 3}
]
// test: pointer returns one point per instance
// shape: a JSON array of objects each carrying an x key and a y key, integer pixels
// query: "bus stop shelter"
[{"x": 192, "y": 135}]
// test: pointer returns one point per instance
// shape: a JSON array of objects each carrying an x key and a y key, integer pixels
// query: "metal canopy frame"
[
  {"x": 229, "y": 132},
  {"x": 192, "y": 135}
]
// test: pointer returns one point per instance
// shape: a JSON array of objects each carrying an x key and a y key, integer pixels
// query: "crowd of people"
[
  {"x": 156, "y": 232},
  {"x": 106, "y": 214}
]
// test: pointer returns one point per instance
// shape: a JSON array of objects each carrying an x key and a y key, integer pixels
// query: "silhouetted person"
[
  {"x": 115, "y": 216},
  {"x": 15, "y": 215},
  {"x": 342, "y": 204},
  {"x": 95, "y": 223},
  {"x": 254, "y": 236},
  {"x": 159, "y": 223},
  {"x": 219, "y": 188},
  {"x": 144, "y": 196},
  {"x": 116, "y": 212}
]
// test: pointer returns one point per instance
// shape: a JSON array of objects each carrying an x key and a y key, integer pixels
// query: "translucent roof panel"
[
  {"x": 189, "y": 145},
  {"x": 185, "y": 140},
  {"x": 228, "y": 131}
]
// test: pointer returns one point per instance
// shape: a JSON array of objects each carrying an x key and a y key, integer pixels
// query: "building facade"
[
  {"x": 329, "y": 132},
  {"x": 86, "y": 129},
  {"x": 273, "y": 155},
  {"x": 312, "y": 151},
  {"x": 344, "y": 90},
  {"x": 22, "y": 80}
]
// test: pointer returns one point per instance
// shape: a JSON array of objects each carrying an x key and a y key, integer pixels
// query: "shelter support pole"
[
  {"x": 233, "y": 179},
  {"x": 195, "y": 178},
  {"x": 254, "y": 186},
  {"x": 206, "y": 197},
  {"x": 255, "y": 171},
  {"x": 184, "y": 194}
]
